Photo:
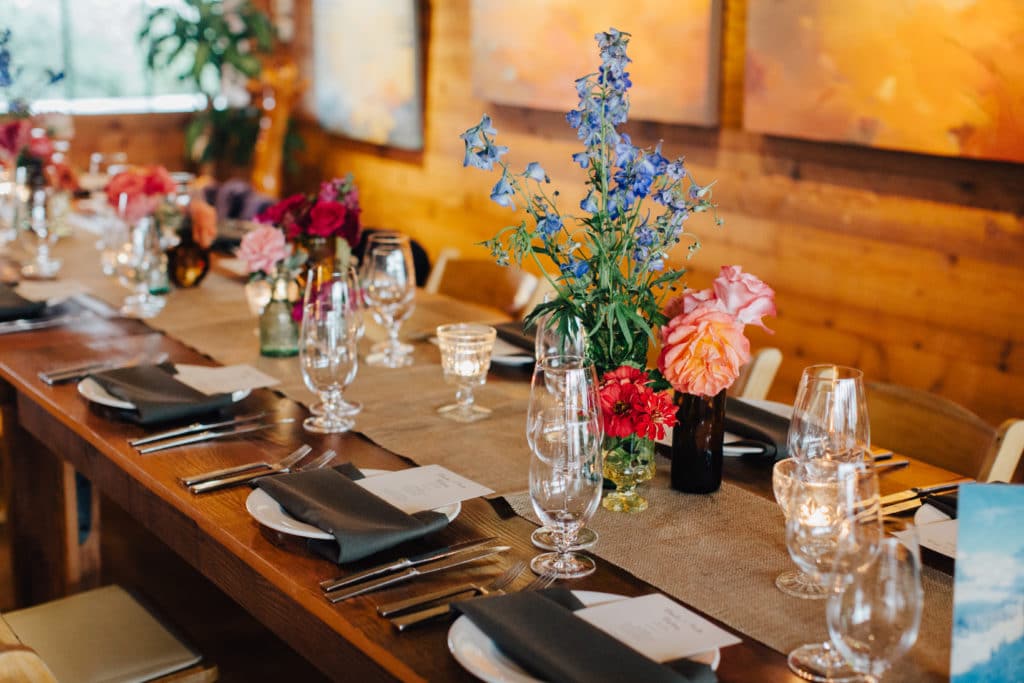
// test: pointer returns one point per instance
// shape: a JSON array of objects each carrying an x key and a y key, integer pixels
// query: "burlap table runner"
[{"x": 720, "y": 553}]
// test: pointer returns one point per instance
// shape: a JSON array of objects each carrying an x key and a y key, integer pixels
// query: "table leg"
[{"x": 50, "y": 558}]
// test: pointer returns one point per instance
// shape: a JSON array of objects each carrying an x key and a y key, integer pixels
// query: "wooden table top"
[{"x": 270, "y": 575}]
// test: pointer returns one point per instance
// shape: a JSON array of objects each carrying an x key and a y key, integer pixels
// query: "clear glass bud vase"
[
  {"x": 628, "y": 462},
  {"x": 279, "y": 333}
]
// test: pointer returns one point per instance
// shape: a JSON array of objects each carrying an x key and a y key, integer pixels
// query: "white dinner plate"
[
  {"x": 780, "y": 409},
  {"x": 92, "y": 391},
  {"x": 478, "y": 654},
  {"x": 269, "y": 513}
]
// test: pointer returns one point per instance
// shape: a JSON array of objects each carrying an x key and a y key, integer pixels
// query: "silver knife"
[
  {"x": 403, "y": 563},
  {"x": 195, "y": 427},
  {"x": 413, "y": 572},
  {"x": 210, "y": 435},
  {"x": 27, "y": 325},
  {"x": 70, "y": 374},
  {"x": 919, "y": 491}
]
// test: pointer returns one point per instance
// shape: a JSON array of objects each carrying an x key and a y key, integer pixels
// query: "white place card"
[
  {"x": 937, "y": 536},
  {"x": 657, "y": 627},
  {"x": 225, "y": 379},
  {"x": 423, "y": 488}
]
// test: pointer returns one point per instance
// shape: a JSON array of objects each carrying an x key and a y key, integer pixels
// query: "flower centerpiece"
[
  {"x": 137, "y": 192},
  {"x": 703, "y": 349},
  {"x": 608, "y": 262},
  {"x": 326, "y": 225},
  {"x": 272, "y": 292}
]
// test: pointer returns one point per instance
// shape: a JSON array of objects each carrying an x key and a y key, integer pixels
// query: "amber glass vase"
[
  {"x": 187, "y": 264},
  {"x": 697, "y": 443}
]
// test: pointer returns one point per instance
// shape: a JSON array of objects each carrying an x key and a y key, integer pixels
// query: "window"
[{"x": 95, "y": 43}]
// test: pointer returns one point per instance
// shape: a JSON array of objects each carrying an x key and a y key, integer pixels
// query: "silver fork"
[
  {"x": 320, "y": 461},
  {"x": 503, "y": 579},
  {"x": 286, "y": 465},
  {"x": 413, "y": 618},
  {"x": 238, "y": 469}
]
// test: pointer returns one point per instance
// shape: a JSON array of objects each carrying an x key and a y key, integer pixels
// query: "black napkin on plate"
[
  {"x": 362, "y": 523},
  {"x": 758, "y": 427},
  {"x": 538, "y": 631},
  {"x": 943, "y": 502},
  {"x": 514, "y": 334},
  {"x": 156, "y": 394},
  {"x": 13, "y": 306}
]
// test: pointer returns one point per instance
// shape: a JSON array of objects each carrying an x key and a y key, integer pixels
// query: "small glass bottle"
[
  {"x": 279, "y": 333},
  {"x": 697, "y": 443}
]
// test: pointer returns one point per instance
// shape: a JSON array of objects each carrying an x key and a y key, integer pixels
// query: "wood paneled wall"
[
  {"x": 145, "y": 138},
  {"x": 907, "y": 266}
]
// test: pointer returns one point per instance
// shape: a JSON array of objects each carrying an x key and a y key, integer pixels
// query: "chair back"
[
  {"x": 481, "y": 281},
  {"x": 943, "y": 433},
  {"x": 18, "y": 662},
  {"x": 756, "y": 377}
]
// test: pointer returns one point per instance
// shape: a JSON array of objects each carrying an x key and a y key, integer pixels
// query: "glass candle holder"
[{"x": 465, "y": 358}]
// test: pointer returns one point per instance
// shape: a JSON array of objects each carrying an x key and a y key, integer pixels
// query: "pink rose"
[
  {"x": 744, "y": 296},
  {"x": 274, "y": 215},
  {"x": 262, "y": 249},
  {"x": 139, "y": 206},
  {"x": 702, "y": 351},
  {"x": 689, "y": 300},
  {"x": 158, "y": 181},
  {"x": 13, "y": 136},
  {"x": 326, "y": 218}
]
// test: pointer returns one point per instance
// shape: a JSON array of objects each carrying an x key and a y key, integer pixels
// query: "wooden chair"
[
  {"x": 756, "y": 377},
  {"x": 938, "y": 431},
  {"x": 99, "y": 635},
  {"x": 481, "y": 281}
]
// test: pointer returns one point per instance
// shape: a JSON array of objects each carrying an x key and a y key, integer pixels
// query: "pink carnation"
[
  {"x": 702, "y": 351},
  {"x": 262, "y": 249}
]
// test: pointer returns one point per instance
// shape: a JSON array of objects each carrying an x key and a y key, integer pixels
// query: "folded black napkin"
[
  {"x": 514, "y": 334},
  {"x": 758, "y": 427},
  {"x": 156, "y": 394},
  {"x": 13, "y": 306},
  {"x": 943, "y": 502},
  {"x": 538, "y": 630},
  {"x": 362, "y": 523}
]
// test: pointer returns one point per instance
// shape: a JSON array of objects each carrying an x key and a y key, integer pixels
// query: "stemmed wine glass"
[
  {"x": 564, "y": 431},
  {"x": 39, "y": 223},
  {"x": 830, "y": 417},
  {"x": 138, "y": 261},
  {"x": 793, "y": 582},
  {"x": 354, "y": 305},
  {"x": 833, "y": 531},
  {"x": 555, "y": 339},
  {"x": 465, "y": 359},
  {"x": 389, "y": 281},
  {"x": 327, "y": 350},
  {"x": 875, "y": 614}
]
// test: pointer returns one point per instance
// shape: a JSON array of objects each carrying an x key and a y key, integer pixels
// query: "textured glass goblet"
[{"x": 465, "y": 359}]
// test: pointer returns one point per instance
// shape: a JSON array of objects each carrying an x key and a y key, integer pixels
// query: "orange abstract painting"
[
  {"x": 528, "y": 53},
  {"x": 941, "y": 77}
]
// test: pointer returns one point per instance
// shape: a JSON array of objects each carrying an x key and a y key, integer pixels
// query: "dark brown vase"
[
  {"x": 697, "y": 443},
  {"x": 187, "y": 264}
]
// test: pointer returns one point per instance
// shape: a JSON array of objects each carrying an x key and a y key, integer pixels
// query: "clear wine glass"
[
  {"x": 327, "y": 350},
  {"x": 833, "y": 530},
  {"x": 830, "y": 418},
  {"x": 564, "y": 431},
  {"x": 553, "y": 339},
  {"x": 39, "y": 224},
  {"x": 389, "y": 288},
  {"x": 137, "y": 261},
  {"x": 875, "y": 614},
  {"x": 793, "y": 582},
  {"x": 354, "y": 305},
  {"x": 465, "y": 359}
]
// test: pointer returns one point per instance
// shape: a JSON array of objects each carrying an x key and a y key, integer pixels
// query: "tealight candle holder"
[{"x": 465, "y": 358}]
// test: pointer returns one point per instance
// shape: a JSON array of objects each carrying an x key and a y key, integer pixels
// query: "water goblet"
[
  {"x": 40, "y": 224},
  {"x": 833, "y": 530},
  {"x": 792, "y": 582},
  {"x": 354, "y": 305},
  {"x": 465, "y": 359},
  {"x": 830, "y": 418},
  {"x": 389, "y": 288},
  {"x": 875, "y": 614},
  {"x": 137, "y": 261},
  {"x": 564, "y": 431},
  {"x": 327, "y": 352}
]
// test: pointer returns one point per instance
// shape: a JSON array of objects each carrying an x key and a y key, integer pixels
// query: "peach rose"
[
  {"x": 702, "y": 351},
  {"x": 262, "y": 249},
  {"x": 204, "y": 222},
  {"x": 744, "y": 295}
]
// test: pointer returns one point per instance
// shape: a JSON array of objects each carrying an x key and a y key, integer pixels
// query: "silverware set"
[
  {"x": 250, "y": 472},
  {"x": 912, "y": 499},
  {"x": 77, "y": 372},
  {"x": 200, "y": 432}
]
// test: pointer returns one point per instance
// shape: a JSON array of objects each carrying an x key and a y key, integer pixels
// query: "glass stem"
[{"x": 464, "y": 395}]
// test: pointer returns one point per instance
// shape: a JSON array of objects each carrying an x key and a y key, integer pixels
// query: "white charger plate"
[
  {"x": 780, "y": 409},
  {"x": 92, "y": 391},
  {"x": 478, "y": 654},
  {"x": 269, "y": 513}
]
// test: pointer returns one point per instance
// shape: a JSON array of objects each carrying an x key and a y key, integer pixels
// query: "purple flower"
[{"x": 582, "y": 158}]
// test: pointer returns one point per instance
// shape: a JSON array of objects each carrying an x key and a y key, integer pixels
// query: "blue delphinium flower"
[
  {"x": 536, "y": 172},
  {"x": 549, "y": 225},
  {"x": 6, "y": 79},
  {"x": 575, "y": 267},
  {"x": 502, "y": 192},
  {"x": 582, "y": 158},
  {"x": 589, "y": 203},
  {"x": 481, "y": 152}
]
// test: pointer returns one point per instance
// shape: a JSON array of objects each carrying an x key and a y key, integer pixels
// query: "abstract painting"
[
  {"x": 940, "y": 77},
  {"x": 528, "y": 53},
  {"x": 366, "y": 70}
]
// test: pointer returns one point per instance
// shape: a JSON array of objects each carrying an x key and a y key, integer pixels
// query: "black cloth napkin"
[
  {"x": 157, "y": 395},
  {"x": 758, "y": 427},
  {"x": 362, "y": 523},
  {"x": 13, "y": 306},
  {"x": 514, "y": 334},
  {"x": 943, "y": 502},
  {"x": 538, "y": 630}
]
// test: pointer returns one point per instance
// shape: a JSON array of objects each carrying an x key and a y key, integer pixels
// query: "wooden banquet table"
[{"x": 51, "y": 432}]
